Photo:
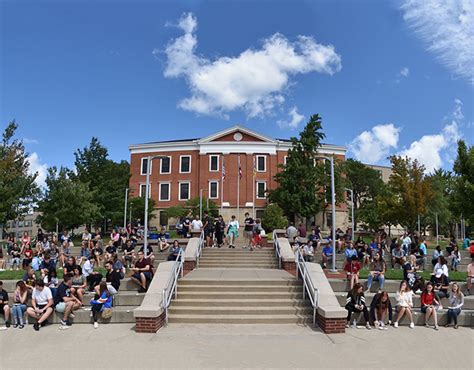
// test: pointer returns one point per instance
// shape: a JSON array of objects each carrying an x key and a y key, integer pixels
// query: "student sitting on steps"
[
  {"x": 355, "y": 303},
  {"x": 404, "y": 304},
  {"x": 380, "y": 308}
]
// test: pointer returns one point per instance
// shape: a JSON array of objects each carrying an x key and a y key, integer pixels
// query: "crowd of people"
[{"x": 408, "y": 253}]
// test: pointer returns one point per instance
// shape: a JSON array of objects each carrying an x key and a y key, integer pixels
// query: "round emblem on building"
[{"x": 238, "y": 136}]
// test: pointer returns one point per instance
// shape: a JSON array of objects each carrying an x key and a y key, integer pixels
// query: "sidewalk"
[{"x": 235, "y": 346}]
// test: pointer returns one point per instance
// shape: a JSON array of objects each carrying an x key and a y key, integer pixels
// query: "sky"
[{"x": 387, "y": 77}]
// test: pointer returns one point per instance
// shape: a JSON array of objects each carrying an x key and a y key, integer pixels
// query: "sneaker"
[
  {"x": 36, "y": 326},
  {"x": 418, "y": 291},
  {"x": 21, "y": 326},
  {"x": 354, "y": 324},
  {"x": 436, "y": 327},
  {"x": 63, "y": 327},
  {"x": 7, "y": 323},
  {"x": 368, "y": 327},
  {"x": 96, "y": 325},
  {"x": 141, "y": 290},
  {"x": 15, "y": 325},
  {"x": 44, "y": 323},
  {"x": 412, "y": 325},
  {"x": 395, "y": 324},
  {"x": 456, "y": 326},
  {"x": 347, "y": 324},
  {"x": 63, "y": 322},
  {"x": 427, "y": 325},
  {"x": 447, "y": 325}
]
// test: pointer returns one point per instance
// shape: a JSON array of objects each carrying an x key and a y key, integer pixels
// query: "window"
[
  {"x": 261, "y": 163},
  {"x": 21, "y": 223},
  {"x": 163, "y": 218},
  {"x": 213, "y": 189},
  {"x": 144, "y": 165},
  {"x": 261, "y": 188},
  {"x": 165, "y": 165},
  {"x": 285, "y": 160},
  {"x": 184, "y": 190},
  {"x": 28, "y": 223},
  {"x": 143, "y": 190},
  {"x": 214, "y": 163},
  {"x": 259, "y": 213},
  {"x": 185, "y": 164},
  {"x": 164, "y": 191}
]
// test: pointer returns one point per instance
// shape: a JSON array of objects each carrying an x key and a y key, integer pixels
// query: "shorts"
[
  {"x": 147, "y": 274},
  {"x": 248, "y": 235},
  {"x": 423, "y": 309},
  {"x": 60, "y": 307}
]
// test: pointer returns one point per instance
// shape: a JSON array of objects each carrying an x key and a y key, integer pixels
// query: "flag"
[
  {"x": 254, "y": 166},
  {"x": 223, "y": 171},
  {"x": 240, "y": 170}
]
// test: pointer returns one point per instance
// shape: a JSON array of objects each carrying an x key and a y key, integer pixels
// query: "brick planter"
[
  {"x": 331, "y": 325},
  {"x": 289, "y": 267},
  {"x": 188, "y": 266},
  {"x": 149, "y": 324}
]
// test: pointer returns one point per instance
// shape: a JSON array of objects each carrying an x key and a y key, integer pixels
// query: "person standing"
[
  {"x": 219, "y": 229},
  {"x": 233, "y": 231},
  {"x": 248, "y": 230}
]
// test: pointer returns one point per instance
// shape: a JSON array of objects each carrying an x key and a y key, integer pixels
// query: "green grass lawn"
[
  {"x": 397, "y": 274},
  {"x": 18, "y": 275}
]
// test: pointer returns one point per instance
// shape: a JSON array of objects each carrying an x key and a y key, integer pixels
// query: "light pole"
[
  {"x": 333, "y": 204},
  {"x": 147, "y": 190},
  {"x": 352, "y": 212},
  {"x": 125, "y": 211}
]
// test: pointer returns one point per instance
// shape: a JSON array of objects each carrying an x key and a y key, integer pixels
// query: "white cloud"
[
  {"x": 404, "y": 72},
  {"x": 434, "y": 150},
  {"x": 294, "y": 119},
  {"x": 30, "y": 141},
  {"x": 374, "y": 145},
  {"x": 37, "y": 166},
  {"x": 254, "y": 81},
  {"x": 447, "y": 27}
]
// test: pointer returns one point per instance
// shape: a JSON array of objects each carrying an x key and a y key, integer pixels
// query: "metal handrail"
[
  {"x": 202, "y": 240},
  {"x": 308, "y": 286},
  {"x": 277, "y": 248},
  {"x": 172, "y": 285}
]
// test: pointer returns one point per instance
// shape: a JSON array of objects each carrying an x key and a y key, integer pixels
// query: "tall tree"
[
  {"x": 67, "y": 201},
  {"x": 411, "y": 189},
  {"x": 301, "y": 180},
  {"x": 440, "y": 205},
  {"x": 365, "y": 182},
  {"x": 18, "y": 190},
  {"x": 463, "y": 196},
  {"x": 106, "y": 178}
]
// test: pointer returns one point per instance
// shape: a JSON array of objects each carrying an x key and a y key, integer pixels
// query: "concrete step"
[
  {"x": 240, "y": 319},
  {"x": 238, "y": 258},
  {"x": 280, "y": 282},
  {"x": 271, "y": 264},
  {"x": 239, "y": 295},
  {"x": 240, "y": 266},
  {"x": 238, "y": 251},
  {"x": 390, "y": 286},
  {"x": 282, "y": 302},
  {"x": 468, "y": 301},
  {"x": 236, "y": 288},
  {"x": 238, "y": 310}
]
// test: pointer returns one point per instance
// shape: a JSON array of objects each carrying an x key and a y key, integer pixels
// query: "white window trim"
[
  {"x": 150, "y": 166},
  {"x": 169, "y": 191},
  {"x": 140, "y": 189},
  {"x": 256, "y": 189},
  {"x": 209, "y": 189},
  {"x": 180, "y": 158},
  {"x": 210, "y": 161},
  {"x": 264, "y": 163},
  {"x": 179, "y": 189},
  {"x": 285, "y": 160},
  {"x": 161, "y": 160}
]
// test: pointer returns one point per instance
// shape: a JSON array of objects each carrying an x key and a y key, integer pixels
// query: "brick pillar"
[
  {"x": 149, "y": 324},
  {"x": 289, "y": 267},
  {"x": 188, "y": 266},
  {"x": 332, "y": 325}
]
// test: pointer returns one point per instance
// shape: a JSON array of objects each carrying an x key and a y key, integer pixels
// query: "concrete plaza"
[{"x": 235, "y": 346}]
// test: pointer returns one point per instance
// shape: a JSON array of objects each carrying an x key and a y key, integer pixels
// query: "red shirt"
[
  {"x": 427, "y": 299},
  {"x": 28, "y": 253},
  {"x": 352, "y": 267}
]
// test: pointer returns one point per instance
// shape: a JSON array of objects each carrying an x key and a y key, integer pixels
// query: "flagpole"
[
  {"x": 238, "y": 189},
  {"x": 222, "y": 186},
  {"x": 253, "y": 188}
]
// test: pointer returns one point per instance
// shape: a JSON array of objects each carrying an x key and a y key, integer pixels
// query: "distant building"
[
  {"x": 26, "y": 223},
  {"x": 211, "y": 165},
  {"x": 384, "y": 171}
]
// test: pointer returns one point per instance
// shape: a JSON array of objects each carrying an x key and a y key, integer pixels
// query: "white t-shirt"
[
  {"x": 41, "y": 297},
  {"x": 196, "y": 225}
]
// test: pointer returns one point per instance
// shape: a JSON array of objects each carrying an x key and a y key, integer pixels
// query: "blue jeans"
[
  {"x": 18, "y": 311},
  {"x": 371, "y": 278},
  {"x": 453, "y": 315}
]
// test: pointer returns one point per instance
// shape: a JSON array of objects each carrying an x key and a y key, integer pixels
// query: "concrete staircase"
[{"x": 238, "y": 258}]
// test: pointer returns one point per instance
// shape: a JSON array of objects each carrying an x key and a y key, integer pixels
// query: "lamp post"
[
  {"x": 147, "y": 190},
  {"x": 125, "y": 211},
  {"x": 352, "y": 212},
  {"x": 333, "y": 203}
]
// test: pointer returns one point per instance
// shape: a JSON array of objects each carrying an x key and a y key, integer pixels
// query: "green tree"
[
  {"x": 463, "y": 195},
  {"x": 107, "y": 180},
  {"x": 193, "y": 206},
  {"x": 273, "y": 218},
  {"x": 301, "y": 180},
  {"x": 442, "y": 184},
  {"x": 18, "y": 190},
  {"x": 67, "y": 201},
  {"x": 411, "y": 190},
  {"x": 137, "y": 207}
]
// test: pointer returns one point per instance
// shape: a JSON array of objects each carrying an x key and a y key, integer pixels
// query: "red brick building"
[{"x": 194, "y": 164}]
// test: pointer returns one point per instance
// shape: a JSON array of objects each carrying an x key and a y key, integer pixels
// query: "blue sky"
[{"x": 386, "y": 77}]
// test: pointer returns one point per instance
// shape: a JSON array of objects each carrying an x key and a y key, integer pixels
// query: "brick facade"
[
  {"x": 331, "y": 325},
  {"x": 150, "y": 324}
]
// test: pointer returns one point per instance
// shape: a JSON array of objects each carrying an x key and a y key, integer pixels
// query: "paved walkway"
[
  {"x": 237, "y": 274},
  {"x": 233, "y": 346}
]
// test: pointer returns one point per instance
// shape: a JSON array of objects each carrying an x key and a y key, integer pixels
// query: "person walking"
[{"x": 233, "y": 231}]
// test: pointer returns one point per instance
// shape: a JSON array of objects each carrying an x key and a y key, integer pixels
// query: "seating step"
[
  {"x": 238, "y": 310},
  {"x": 239, "y": 295},
  {"x": 239, "y": 319},
  {"x": 287, "y": 282},
  {"x": 282, "y": 302},
  {"x": 236, "y": 288}
]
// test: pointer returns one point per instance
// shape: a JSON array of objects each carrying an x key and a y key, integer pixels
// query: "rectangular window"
[
  {"x": 165, "y": 192},
  {"x": 214, "y": 163},
  {"x": 285, "y": 160},
  {"x": 259, "y": 213},
  {"x": 184, "y": 190},
  {"x": 213, "y": 189},
  {"x": 261, "y": 163},
  {"x": 144, "y": 166},
  {"x": 21, "y": 223},
  {"x": 165, "y": 165},
  {"x": 143, "y": 190},
  {"x": 261, "y": 188},
  {"x": 185, "y": 164},
  {"x": 163, "y": 218}
]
